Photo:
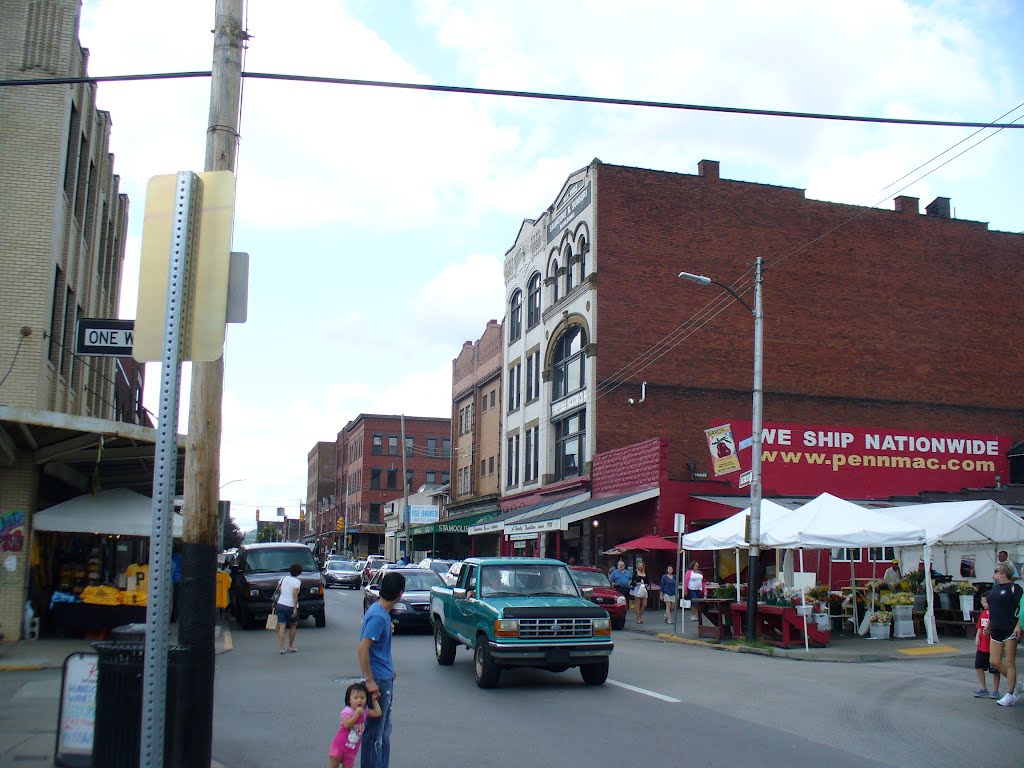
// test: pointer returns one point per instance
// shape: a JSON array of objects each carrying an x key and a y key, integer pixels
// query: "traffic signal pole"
[{"x": 197, "y": 601}]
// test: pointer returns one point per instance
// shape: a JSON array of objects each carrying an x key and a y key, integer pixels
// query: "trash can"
[
  {"x": 118, "y": 723},
  {"x": 132, "y": 633}
]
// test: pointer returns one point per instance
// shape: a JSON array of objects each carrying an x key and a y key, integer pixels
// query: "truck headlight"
[
  {"x": 620, "y": 600},
  {"x": 506, "y": 628},
  {"x": 314, "y": 590},
  {"x": 254, "y": 593},
  {"x": 602, "y": 627}
]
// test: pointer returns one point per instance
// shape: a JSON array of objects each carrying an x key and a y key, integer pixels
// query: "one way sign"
[{"x": 111, "y": 338}]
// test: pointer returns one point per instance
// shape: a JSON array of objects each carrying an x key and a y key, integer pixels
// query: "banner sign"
[
  {"x": 723, "y": 450},
  {"x": 422, "y": 514},
  {"x": 872, "y": 462}
]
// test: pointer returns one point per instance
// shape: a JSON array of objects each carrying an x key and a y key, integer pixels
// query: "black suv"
[{"x": 256, "y": 573}]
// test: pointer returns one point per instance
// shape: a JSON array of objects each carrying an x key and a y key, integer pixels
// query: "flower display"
[
  {"x": 897, "y": 598},
  {"x": 881, "y": 617},
  {"x": 963, "y": 587}
]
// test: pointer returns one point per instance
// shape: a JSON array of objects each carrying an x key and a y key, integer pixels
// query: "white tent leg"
[
  {"x": 803, "y": 599},
  {"x": 929, "y": 615}
]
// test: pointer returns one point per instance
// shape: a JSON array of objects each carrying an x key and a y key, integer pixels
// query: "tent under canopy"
[{"x": 115, "y": 512}]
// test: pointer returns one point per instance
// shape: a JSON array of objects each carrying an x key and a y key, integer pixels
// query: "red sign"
[{"x": 866, "y": 462}]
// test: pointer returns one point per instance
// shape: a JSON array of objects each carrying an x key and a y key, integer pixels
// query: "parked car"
[
  {"x": 520, "y": 612},
  {"x": 257, "y": 571},
  {"x": 452, "y": 575},
  {"x": 597, "y": 589},
  {"x": 413, "y": 610},
  {"x": 343, "y": 573}
]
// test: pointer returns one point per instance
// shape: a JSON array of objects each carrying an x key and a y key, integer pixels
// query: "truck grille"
[{"x": 537, "y": 629}]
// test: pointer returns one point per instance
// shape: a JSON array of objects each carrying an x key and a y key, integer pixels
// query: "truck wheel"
[
  {"x": 321, "y": 619},
  {"x": 444, "y": 646},
  {"x": 486, "y": 671},
  {"x": 595, "y": 674},
  {"x": 619, "y": 623}
]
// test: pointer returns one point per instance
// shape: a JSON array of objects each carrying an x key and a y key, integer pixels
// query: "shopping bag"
[
  {"x": 272, "y": 621},
  {"x": 641, "y": 591},
  {"x": 686, "y": 605}
]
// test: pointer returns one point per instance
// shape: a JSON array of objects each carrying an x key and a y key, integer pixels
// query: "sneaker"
[
  {"x": 1007, "y": 701},
  {"x": 282, "y": 652},
  {"x": 292, "y": 650},
  {"x": 1018, "y": 689},
  {"x": 994, "y": 695},
  {"x": 981, "y": 693}
]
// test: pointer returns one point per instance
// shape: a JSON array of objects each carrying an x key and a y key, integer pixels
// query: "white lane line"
[{"x": 644, "y": 691}]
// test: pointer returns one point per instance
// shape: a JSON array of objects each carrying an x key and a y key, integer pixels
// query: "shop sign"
[
  {"x": 522, "y": 536},
  {"x": 519, "y": 545},
  {"x": 486, "y": 528},
  {"x": 722, "y": 446},
  {"x": 564, "y": 215},
  {"x": 868, "y": 462},
  {"x": 422, "y": 514},
  {"x": 574, "y": 400},
  {"x": 77, "y": 717},
  {"x": 534, "y": 527}
]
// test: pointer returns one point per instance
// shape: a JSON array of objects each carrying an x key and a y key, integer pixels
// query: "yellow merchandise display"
[
  {"x": 101, "y": 596},
  {"x": 134, "y": 597},
  {"x": 138, "y": 577}
]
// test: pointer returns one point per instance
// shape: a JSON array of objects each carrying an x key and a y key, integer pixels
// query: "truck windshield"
[
  {"x": 279, "y": 560},
  {"x": 526, "y": 579}
]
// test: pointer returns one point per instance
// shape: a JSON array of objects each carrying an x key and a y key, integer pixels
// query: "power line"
[{"x": 537, "y": 95}]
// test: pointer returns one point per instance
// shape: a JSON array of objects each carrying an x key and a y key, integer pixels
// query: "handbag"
[
  {"x": 641, "y": 591},
  {"x": 686, "y": 605},
  {"x": 272, "y": 620}
]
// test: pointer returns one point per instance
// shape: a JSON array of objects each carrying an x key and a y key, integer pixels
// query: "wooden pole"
[{"x": 197, "y": 610}]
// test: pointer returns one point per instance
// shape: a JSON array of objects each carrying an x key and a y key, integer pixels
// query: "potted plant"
[
  {"x": 902, "y": 606},
  {"x": 965, "y": 590},
  {"x": 725, "y": 592},
  {"x": 880, "y": 625},
  {"x": 947, "y": 594}
]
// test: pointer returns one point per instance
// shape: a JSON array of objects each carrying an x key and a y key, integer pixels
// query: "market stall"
[{"x": 89, "y": 562}]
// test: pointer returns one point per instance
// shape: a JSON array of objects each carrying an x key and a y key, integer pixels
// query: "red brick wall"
[
  {"x": 632, "y": 467},
  {"x": 897, "y": 319}
]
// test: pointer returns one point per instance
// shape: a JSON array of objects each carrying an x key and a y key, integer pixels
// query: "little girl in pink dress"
[{"x": 345, "y": 745}]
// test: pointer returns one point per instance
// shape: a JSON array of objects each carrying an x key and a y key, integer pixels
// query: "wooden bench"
[{"x": 956, "y": 626}]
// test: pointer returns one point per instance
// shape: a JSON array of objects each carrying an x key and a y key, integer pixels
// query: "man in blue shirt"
[
  {"x": 379, "y": 670},
  {"x": 620, "y": 579}
]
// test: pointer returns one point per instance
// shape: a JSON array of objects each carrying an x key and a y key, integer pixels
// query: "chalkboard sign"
[{"x": 77, "y": 716}]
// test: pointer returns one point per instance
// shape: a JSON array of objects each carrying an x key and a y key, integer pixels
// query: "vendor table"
[
  {"x": 713, "y": 618},
  {"x": 78, "y": 619},
  {"x": 781, "y": 625}
]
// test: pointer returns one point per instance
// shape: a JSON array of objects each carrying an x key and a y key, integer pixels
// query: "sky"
[{"x": 377, "y": 220}]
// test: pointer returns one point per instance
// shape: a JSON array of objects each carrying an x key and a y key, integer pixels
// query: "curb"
[{"x": 716, "y": 646}]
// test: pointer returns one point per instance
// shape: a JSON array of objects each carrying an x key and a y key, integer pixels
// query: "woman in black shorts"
[{"x": 1003, "y": 603}]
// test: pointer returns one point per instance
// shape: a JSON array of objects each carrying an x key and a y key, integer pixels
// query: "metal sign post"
[
  {"x": 179, "y": 284},
  {"x": 679, "y": 626}
]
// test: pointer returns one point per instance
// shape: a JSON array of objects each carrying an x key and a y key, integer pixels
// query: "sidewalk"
[
  {"x": 30, "y": 695},
  {"x": 843, "y": 646}
]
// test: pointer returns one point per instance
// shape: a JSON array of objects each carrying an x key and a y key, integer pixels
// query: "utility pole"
[
  {"x": 405, "y": 484},
  {"x": 344, "y": 534},
  {"x": 198, "y": 611}
]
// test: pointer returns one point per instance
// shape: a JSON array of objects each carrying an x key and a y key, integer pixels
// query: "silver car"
[{"x": 343, "y": 573}]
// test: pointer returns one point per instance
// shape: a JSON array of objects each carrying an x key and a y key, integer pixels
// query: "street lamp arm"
[{"x": 705, "y": 280}]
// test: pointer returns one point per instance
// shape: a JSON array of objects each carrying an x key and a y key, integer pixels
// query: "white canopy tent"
[
  {"x": 116, "y": 512},
  {"x": 958, "y": 523},
  {"x": 730, "y": 533}
]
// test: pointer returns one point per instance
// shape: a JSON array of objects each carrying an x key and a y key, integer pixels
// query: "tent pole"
[
  {"x": 929, "y": 616},
  {"x": 803, "y": 598}
]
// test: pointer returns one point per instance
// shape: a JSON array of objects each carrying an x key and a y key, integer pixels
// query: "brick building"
[
  {"x": 476, "y": 435},
  {"x": 887, "y": 355},
  {"x": 69, "y": 425},
  {"x": 369, "y": 469},
  {"x": 321, "y": 517}
]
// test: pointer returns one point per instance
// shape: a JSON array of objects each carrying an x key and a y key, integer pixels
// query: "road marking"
[
  {"x": 928, "y": 649},
  {"x": 644, "y": 691}
]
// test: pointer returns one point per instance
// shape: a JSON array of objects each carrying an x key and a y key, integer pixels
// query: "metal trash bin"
[
  {"x": 132, "y": 633},
  {"x": 118, "y": 723}
]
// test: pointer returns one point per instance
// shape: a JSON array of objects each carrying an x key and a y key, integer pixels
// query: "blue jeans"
[{"x": 377, "y": 733}]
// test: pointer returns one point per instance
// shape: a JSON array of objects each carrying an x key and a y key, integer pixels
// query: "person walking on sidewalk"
[
  {"x": 982, "y": 662},
  {"x": 1004, "y": 630},
  {"x": 695, "y": 587},
  {"x": 668, "y": 594},
  {"x": 379, "y": 670},
  {"x": 640, "y": 583},
  {"x": 620, "y": 579}
]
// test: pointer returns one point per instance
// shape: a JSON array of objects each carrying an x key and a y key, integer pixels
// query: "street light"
[
  {"x": 229, "y": 482},
  {"x": 753, "y": 565}
]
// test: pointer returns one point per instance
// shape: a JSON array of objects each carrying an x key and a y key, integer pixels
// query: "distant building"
[{"x": 321, "y": 515}]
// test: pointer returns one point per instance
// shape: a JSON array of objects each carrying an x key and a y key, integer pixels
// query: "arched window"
[
  {"x": 553, "y": 277},
  {"x": 568, "y": 375},
  {"x": 567, "y": 258},
  {"x": 533, "y": 301},
  {"x": 515, "y": 317},
  {"x": 582, "y": 251}
]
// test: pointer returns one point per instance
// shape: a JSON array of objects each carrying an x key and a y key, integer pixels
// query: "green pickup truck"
[{"x": 520, "y": 612}]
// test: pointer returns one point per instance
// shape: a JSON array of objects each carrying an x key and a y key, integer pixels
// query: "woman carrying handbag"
[
  {"x": 287, "y": 608},
  {"x": 640, "y": 584}
]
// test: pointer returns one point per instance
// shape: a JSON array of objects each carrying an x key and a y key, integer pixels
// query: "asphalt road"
[{"x": 665, "y": 704}]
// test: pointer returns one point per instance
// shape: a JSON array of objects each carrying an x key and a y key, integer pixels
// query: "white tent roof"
[
  {"x": 728, "y": 533},
  {"x": 119, "y": 511},
  {"x": 828, "y": 521},
  {"x": 964, "y": 522}
]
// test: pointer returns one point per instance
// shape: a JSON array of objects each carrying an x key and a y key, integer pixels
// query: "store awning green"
[{"x": 454, "y": 525}]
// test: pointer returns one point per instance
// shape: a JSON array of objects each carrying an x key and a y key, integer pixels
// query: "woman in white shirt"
[
  {"x": 287, "y": 607},
  {"x": 695, "y": 589}
]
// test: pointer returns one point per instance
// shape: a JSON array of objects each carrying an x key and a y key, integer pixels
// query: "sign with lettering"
[
  {"x": 873, "y": 462},
  {"x": 108, "y": 338},
  {"x": 77, "y": 717},
  {"x": 566, "y": 404},
  {"x": 563, "y": 217},
  {"x": 422, "y": 514}
]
